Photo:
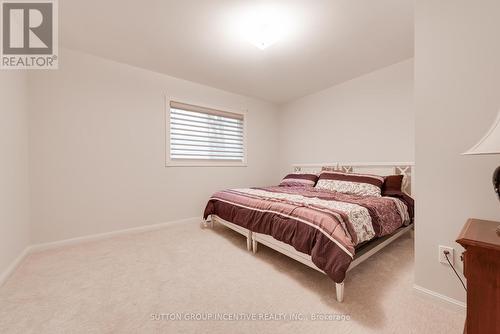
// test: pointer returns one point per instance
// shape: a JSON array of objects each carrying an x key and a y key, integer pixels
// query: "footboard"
[{"x": 241, "y": 230}]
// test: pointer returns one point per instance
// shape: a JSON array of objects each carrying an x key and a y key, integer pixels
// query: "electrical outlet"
[{"x": 442, "y": 257}]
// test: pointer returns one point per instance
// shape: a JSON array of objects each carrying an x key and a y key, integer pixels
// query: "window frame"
[{"x": 169, "y": 162}]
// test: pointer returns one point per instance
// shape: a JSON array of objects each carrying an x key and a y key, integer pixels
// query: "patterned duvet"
[{"x": 324, "y": 224}]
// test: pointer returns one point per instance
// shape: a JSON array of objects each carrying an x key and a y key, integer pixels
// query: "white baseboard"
[
  {"x": 93, "y": 237},
  {"x": 13, "y": 266},
  {"x": 437, "y": 296},
  {"x": 106, "y": 235}
]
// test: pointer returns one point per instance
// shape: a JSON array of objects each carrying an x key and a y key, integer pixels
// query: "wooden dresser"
[{"x": 482, "y": 270}]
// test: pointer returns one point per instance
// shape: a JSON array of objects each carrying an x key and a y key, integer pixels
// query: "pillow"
[
  {"x": 351, "y": 183},
  {"x": 392, "y": 183},
  {"x": 304, "y": 180}
]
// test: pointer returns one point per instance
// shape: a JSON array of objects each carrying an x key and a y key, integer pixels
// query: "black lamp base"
[
  {"x": 496, "y": 184},
  {"x": 496, "y": 181}
]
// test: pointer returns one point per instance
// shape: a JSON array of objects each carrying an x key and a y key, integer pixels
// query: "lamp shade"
[{"x": 490, "y": 143}]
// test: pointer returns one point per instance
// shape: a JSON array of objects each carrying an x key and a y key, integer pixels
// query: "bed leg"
[
  {"x": 207, "y": 223},
  {"x": 339, "y": 289},
  {"x": 249, "y": 241},
  {"x": 412, "y": 232},
  {"x": 255, "y": 244}
]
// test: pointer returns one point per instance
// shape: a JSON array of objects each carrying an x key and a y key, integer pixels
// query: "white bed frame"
[{"x": 365, "y": 251}]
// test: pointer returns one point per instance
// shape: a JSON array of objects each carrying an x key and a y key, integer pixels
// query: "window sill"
[{"x": 205, "y": 164}]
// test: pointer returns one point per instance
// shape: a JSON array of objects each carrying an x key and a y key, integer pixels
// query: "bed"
[{"x": 331, "y": 224}]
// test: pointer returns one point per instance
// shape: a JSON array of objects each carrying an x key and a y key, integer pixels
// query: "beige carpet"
[{"x": 119, "y": 285}]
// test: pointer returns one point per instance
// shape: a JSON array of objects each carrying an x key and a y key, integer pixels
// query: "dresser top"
[{"x": 480, "y": 233}]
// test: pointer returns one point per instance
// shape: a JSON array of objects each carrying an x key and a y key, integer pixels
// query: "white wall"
[
  {"x": 98, "y": 149},
  {"x": 457, "y": 80},
  {"x": 14, "y": 185},
  {"x": 367, "y": 119}
]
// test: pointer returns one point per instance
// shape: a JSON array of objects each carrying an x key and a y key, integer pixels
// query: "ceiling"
[{"x": 330, "y": 41}]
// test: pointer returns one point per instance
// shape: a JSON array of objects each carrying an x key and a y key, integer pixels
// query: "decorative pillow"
[
  {"x": 351, "y": 183},
  {"x": 392, "y": 183},
  {"x": 305, "y": 180}
]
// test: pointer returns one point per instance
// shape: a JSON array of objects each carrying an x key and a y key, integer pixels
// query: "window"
[{"x": 205, "y": 136}]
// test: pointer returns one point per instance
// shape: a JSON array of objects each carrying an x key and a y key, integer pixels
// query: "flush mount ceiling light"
[{"x": 264, "y": 26}]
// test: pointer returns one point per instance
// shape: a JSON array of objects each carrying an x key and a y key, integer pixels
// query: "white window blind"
[{"x": 204, "y": 134}]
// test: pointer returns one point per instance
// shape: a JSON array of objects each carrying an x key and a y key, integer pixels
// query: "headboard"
[{"x": 378, "y": 168}]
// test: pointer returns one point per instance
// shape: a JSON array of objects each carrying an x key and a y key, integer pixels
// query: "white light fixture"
[
  {"x": 264, "y": 26},
  {"x": 490, "y": 144}
]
